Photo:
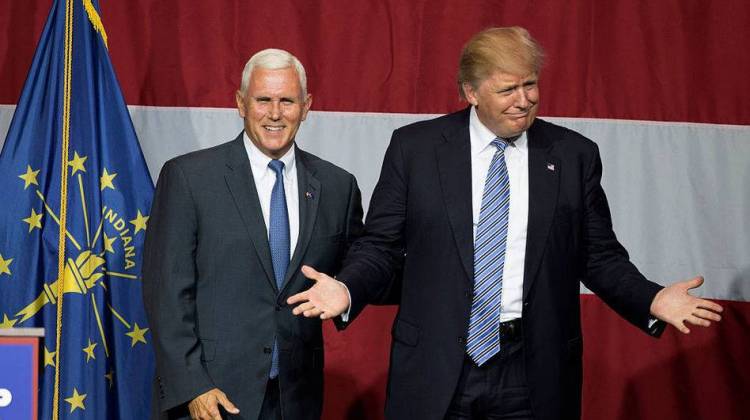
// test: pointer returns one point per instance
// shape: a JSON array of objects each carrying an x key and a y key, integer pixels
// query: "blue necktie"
[
  {"x": 489, "y": 260},
  {"x": 278, "y": 240}
]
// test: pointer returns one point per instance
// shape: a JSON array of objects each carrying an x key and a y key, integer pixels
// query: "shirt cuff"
[
  {"x": 655, "y": 326},
  {"x": 345, "y": 315}
]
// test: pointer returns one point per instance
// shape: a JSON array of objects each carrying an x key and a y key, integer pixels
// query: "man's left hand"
[
  {"x": 675, "y": 306},
  {"x": 328, "y": 298}
]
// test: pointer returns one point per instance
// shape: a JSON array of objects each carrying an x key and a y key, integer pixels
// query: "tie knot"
[
  {"x": 276, "y": 166},
  {"x": 500, "y": 143}
]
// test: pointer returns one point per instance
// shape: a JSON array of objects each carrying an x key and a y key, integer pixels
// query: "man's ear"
[
  {"x": 306, "y": 106},
  {"x": 469, "y": 93},
  {"x": 240, "y": 103}
]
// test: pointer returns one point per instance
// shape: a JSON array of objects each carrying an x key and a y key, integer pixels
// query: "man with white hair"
[{"x": 230, "y": 227}]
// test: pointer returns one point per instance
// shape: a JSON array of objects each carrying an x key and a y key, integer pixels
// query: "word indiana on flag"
[{"x": 76, "y": 194}]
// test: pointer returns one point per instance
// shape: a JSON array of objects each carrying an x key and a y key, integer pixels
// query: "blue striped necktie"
[
  {"x": 278, "y": 240},
  {"x": 489, "y": 260}
]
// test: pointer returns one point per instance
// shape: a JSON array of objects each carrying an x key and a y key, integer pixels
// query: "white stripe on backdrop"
[{"x": 679, "y": 192}]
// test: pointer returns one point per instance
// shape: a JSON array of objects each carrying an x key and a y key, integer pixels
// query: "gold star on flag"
[
  {"x": 106, "y": 180},
  {"x": 5, "y": 265},
  {"x": 110, "y": 377},
  {"x": 139, "y": 222},
  {"x": 7, "y": 323},
  {"x": 77, "y": 163},
  {"x": 34, "y": 221},
  {"x": 76, "y": 400},
  {"x": 89, "y": 350},
  {"x": 108, "y": 242},
  {"x": 137, "y": 335},
  {"x": 49, "y": 357},
  {"x": 29, "y": 177}
]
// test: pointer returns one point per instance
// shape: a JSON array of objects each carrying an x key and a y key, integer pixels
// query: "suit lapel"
[
  {"x": 544, "y": 179},
  {"x": 309, "y": 197},
  {"x": 239, "y": 179},
  {"x": 454, "y": 167}
]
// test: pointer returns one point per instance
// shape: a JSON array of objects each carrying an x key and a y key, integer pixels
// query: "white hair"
[{"x": 273, "y": 59}]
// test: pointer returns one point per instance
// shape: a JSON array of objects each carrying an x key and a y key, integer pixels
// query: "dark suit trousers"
[
  {"x": 271, "y": 408},
  {"x": 496, "y": 390}
]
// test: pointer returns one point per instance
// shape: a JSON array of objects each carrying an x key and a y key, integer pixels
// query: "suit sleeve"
[
  {"x": 373, "y": 262},
  {"x": 609, "y": 272},
  {"x": 354, "y": 226},
  {"x": 169, "y": 285}
]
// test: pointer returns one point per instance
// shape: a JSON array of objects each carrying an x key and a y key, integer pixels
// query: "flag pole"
[{"x": 67, "y": 76}]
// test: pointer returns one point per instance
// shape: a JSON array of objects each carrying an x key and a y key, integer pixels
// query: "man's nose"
[
  {"x": 275, "y": 111},
  {"x": 522, "y": 98}
]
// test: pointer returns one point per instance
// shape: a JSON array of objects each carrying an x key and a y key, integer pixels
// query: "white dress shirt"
[
  {"x": 265, "y": 177},
  {"x": 517, "y": 161}
]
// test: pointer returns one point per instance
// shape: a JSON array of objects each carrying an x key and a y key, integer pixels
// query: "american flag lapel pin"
[
  {"x": 551, "y": 167},
  {"x": 308, "y": 195}
]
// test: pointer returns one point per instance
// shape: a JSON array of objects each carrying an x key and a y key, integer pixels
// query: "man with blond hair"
[
  {"x": 495, "y": 217},
  {"x": 230, "y": 226}
]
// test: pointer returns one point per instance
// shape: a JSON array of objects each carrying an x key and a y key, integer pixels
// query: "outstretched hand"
[
  {"x": 676, "y": 306},
  {"x": 206, "y": 405},
  {"x": 328, "y": 298}
]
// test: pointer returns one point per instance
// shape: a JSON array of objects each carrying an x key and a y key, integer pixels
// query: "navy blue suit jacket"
[
  {"x": 209, "y": 287},
  {"x": 420, "y": 218}
]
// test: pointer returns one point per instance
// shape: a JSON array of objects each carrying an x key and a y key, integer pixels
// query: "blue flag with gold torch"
[{"x": 75, "y": 194}]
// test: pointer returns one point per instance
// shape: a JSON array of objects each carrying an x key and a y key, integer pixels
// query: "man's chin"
[
  {"x": 273, "y": 147},
  {"x": 520, "y": 126},
  {"x": 512, "y": 132}
]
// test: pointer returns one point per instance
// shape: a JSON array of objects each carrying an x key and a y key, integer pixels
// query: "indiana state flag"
[{"x": 75, "y": 194}]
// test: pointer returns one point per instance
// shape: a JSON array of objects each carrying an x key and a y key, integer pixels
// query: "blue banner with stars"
[{"x": 76, "y": 194}]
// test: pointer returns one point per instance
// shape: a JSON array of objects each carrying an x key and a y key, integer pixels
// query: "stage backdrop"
[{"x": 662, "y": 87}]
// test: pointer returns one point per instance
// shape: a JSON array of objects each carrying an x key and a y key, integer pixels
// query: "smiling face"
[
  {"x": 273, "y": 109},
  {"x": 506, "y": 104}
]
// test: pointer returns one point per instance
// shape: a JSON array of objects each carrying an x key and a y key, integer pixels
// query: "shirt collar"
[
  {"x": 481, "y": 137},
  {"x": 259, "y": 160}
]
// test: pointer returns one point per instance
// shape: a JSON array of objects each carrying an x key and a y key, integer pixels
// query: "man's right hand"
[
  {"x": 206, "y": 405},
  {"x": 328, "y": 298}
]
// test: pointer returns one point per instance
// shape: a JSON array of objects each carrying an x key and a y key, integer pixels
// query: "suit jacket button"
[
  {"x": 267, "y": 350},
  {"x": 460, "y": 340}
]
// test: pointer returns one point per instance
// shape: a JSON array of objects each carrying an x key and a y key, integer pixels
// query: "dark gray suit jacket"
[
  {"x": 209, "y": 289},
  {"x": 420, "y": 216}
]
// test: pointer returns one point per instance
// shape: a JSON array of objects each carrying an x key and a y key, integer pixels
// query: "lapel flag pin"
[
  {"x": 308, "y": 195},
  {"x": 550, "y": 166}
]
